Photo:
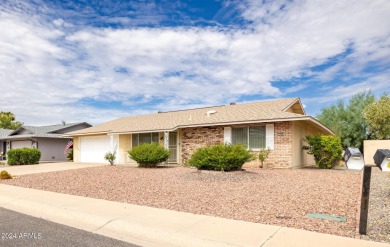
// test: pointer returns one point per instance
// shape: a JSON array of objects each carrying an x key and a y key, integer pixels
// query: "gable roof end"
[{"x": 296, "y": 107}]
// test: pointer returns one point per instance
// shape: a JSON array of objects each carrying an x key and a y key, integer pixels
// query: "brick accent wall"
[
  {"x": 280, "y": 157},
  {"x": 193, "y": 138}
]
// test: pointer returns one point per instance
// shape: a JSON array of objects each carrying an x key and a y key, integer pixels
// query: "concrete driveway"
[{"x": 47, "y": 167}]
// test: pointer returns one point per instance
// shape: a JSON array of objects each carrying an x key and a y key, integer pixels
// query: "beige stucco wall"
[
  {"x": 124, "y": 147},
  {"x": 300, "y": 157},
  {"x": 301, "y": 129},
  {"x": 76, "y": 151},
  {"x": 370, "y": 147}
]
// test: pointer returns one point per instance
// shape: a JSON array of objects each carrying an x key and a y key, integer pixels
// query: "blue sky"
[{"x": 99, "y": 60}]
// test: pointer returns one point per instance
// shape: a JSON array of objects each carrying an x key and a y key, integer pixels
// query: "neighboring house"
[
  {"x": 280, "y": 125},
  {"x": 48, "y": 139},
  {"x": 3, "y": 144}
]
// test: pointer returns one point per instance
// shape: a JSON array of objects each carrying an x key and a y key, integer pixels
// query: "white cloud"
[{"x": 47, "y": 71}]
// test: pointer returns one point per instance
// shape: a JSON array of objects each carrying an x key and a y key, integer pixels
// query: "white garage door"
[
  {"x": 93, "y": 148},
  {"x": 20, "y": 144}
]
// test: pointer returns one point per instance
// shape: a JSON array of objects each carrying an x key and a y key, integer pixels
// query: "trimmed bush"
[
  {"x": 222, "y": 157},
  {"x": 23, "y": 156},
  {"x": 149, "y": 154},
  {"x": 5, "y": 175},
  {"x": 326, "y": 150}
]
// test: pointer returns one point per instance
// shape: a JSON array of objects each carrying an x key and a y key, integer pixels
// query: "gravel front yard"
[{"x": 280, "y": 197}]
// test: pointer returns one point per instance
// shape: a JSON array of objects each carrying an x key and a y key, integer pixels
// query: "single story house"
[
  {"x": 3, "y": 144},
  {"x": 48, "y": 139},
  {"x": 280, "y": 125}
]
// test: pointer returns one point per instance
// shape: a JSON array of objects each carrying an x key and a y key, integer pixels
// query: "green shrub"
[
  {"x": 149, "y": 154},
  {"x": 5, "y": 175},
  {"x": 23, "y": 156},
  {"x": 69, "y": 156},
  {"x": 222, "y": 157},
  {"x": 326, "y": 150},
  {"x": 263, "y": 155},
  {"x": 110, "y": 157}
]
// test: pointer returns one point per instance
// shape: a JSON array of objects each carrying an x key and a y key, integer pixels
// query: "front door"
[{"x": 173, "y": 147}]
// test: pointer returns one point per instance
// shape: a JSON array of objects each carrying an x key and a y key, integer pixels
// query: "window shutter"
[
  {"x": 269, "y": 136},
  {"x": 227, "y": 135}
]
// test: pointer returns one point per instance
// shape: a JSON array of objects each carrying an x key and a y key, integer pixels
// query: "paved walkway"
[
  {"x": 46, "y": 167},
  {"x": 152, "y": 227}
]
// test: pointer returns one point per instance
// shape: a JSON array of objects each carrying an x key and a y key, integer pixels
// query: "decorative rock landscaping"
[{"x": 281, "y": 196}]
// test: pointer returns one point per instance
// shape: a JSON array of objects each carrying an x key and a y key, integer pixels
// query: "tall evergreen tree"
[{"x": 347, "y": 119}]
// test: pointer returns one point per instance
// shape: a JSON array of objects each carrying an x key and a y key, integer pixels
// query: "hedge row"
[{"x": 23, "y": 156}]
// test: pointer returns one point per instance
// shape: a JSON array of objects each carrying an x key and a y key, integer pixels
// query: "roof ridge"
[
  {"x": 60, "y": 124},
  {"x": 236, "y": 103},
  {"x": 189, "y": 109}
]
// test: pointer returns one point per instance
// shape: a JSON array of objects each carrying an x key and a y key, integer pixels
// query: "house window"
[
  {"x": 138, "y": 139},
  {"x": 251, "y": 137}
]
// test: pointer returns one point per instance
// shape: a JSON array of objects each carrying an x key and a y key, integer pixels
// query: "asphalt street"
[{"x": 23, "y": 230}]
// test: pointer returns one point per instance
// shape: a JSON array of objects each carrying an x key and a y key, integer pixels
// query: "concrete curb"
[{"x": 154, "y": 227}]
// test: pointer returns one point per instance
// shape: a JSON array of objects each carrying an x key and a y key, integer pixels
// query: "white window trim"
[
  {"x": 151, "y": 138},
  {"x": 247, "y": 127}
]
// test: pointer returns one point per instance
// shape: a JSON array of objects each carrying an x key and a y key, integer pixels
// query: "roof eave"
[
  {"x": 321, "y": 124},
  {"x": 205, "y": 125},
  {"x": 86, "y": 134},
  {"x": 304, "y": 117},
  {"x": 71, "y": 125}
]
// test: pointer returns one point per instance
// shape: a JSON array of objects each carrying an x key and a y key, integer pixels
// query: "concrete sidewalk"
[
  {"x": 47, "y": 167},
  {"x": 148, "y": 226}
]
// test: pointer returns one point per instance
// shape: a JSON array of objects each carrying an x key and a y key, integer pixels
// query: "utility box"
[
  {"x": 382, "y": 159},
  {"x": 353, "y": 158}
]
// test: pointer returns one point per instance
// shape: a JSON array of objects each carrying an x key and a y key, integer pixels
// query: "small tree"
[
  {"x": 326, "y": 150},
  {"x": 263, "y": 155},
  {"x": 110, "y": 157},
  {"x": 149, "y": 154},
  {"x": 69, "y": 156},
  {"x": 377, "y": 116},
  {"x": 7, "y": 121}
]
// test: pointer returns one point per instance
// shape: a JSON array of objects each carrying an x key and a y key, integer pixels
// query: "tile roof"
[
  {"x": 49, "y": 128},
  {"x": 48, "y": 131},
  {"x": 257, "y": 111},
  {"x": 46, "y": 135},
  {"x": 5, "y": 132}
]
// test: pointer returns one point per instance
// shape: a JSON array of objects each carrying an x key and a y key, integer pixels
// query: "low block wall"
[{"x": 370, "y": 147}]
